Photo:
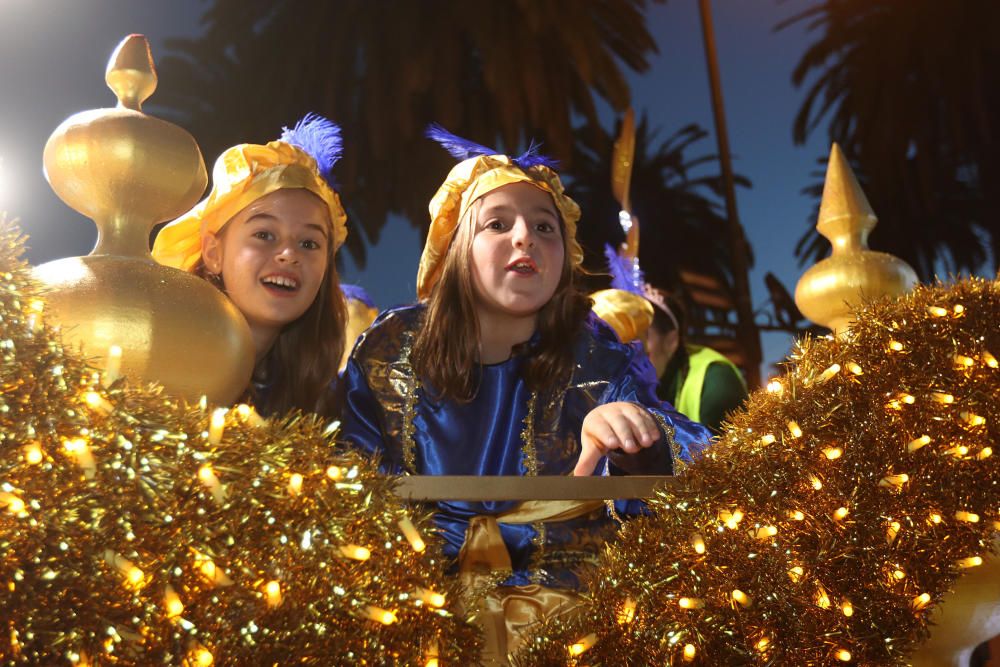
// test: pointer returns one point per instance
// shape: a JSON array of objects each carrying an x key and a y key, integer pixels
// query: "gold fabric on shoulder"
[
  {"x": 359, "y": 317},
  {"x": 468, "y": 181},
  {"x": 242, "y": 175},
  {"x": 628, "y": 314},
  {"x": 385, "y": 361}
]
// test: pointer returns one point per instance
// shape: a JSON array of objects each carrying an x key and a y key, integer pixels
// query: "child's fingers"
[
  {"x": 589, "y": 458},
  {"x": 628, "y": 437},
  {"x": 600, "y": 429},
  {"x": 643, "y": 425},
  {"x": 622, "y": 426}
]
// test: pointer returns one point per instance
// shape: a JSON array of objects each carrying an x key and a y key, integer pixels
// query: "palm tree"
[
  {"x": 911, "y": 91},
  {"x": 683, "y": 241},
  {"x": 495, "y": 71},
  {"x": 683, "y": 224}
]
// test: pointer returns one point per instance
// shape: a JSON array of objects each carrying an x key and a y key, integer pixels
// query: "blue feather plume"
[
  {"x": 320, "y": 138},
  {"x": 463, "y": 149},
  {"x": 532, "y": 158},
  {"x": 625, "y": 273},
  {"x": 460, "y": 149},
  {"x": 356, "y": 293}
]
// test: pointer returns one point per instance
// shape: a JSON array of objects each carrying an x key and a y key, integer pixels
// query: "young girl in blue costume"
[
  {"x": 502, "y": 370},
  {"x": 267, "y": 235}
]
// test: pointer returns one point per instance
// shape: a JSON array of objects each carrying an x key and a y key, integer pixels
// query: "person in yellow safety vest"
[{"x": 700, "y": 383}]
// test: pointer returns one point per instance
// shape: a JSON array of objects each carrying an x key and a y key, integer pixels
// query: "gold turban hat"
[
  {"x": 481, "y": 171},
  {"x": 628, "y": 313},
  {"x": 302, "y": 158}
]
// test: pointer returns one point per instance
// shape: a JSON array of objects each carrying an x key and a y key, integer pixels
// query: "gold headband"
[
  {"x": 242, "y": 175},
  {"x": 468, "y": 181}
]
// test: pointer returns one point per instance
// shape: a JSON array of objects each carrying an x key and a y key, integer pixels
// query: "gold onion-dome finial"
[
  {"x": 131, "y": 74},
  {"x": 829, "y": 290},
  {"x": 969, "y": 614},
  {"x": 128, "y": 171}
]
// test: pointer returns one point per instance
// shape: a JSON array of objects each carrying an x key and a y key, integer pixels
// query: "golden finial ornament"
[
  {"x": 966, "y": 617},
  {"x": 826, "y": 294},
  {"x": 829, "y": 291},
  {"x": 129, "y": 171}
]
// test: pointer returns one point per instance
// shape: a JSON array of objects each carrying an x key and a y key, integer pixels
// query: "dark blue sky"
[{"x": 53, "y": 54}]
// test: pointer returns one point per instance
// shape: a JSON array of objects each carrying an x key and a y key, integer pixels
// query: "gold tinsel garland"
[
  {"x": 137, "y": 530},
  {"x": 835, "y": 511}
]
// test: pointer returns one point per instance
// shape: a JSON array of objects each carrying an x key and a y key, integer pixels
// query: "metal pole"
[{"x": 746, "y": 330}]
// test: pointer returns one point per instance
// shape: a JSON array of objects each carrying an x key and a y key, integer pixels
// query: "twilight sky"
[{"x": 53, "y": 54}]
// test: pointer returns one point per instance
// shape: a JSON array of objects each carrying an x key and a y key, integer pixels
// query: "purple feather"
[
  {"x": 356, "y": 293},
  {"x": 532, "y": 158},
  {"x": 463, "y": 149},
  {"x": 318, "y": 137},
  {"x": 460, "y": 149},
  {"x": 625, "y": 273}
]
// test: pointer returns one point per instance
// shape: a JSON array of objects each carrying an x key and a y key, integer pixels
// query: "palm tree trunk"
[{"x": 746, "y": 330}]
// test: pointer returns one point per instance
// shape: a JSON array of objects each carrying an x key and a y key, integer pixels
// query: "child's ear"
[{"x": 211, "y": 252}]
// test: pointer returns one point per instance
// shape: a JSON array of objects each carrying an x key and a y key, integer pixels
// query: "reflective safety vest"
[{"x": 688, "y": 398}]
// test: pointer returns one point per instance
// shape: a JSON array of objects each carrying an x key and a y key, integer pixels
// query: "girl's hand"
[{"x": 624, "y": 426}]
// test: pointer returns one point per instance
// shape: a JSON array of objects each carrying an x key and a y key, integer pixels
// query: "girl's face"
[
  {"x": 517, "y": 250},
  {"x": 272, "y": 257}
]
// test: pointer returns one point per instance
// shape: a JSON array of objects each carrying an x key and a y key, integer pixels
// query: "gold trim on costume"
[
  {"x": 675, "y": 450},
  {"x": 529, "y": 455},
  {"x": 610, "y": 503},
  {"x": 529, "y": 458},
  {"x": 409, "y": 406},
  {"x": 535, "y": 571}
]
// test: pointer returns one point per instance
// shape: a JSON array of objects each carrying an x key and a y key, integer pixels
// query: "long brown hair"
[
  {"x": 446, "y": 350},
  {"x": 303, "y": 361}
]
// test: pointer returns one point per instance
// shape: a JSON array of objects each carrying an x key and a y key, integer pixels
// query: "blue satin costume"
[{"x": 507, "y": 430}]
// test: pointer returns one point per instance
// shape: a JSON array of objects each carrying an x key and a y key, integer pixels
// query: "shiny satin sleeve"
[
  {"x": 376, "y": 390},
  {"x": 361, "y": 420},
  {"x": 680, "y": 438}
]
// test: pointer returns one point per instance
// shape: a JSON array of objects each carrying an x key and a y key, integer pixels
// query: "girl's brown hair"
[
  {"x": 446, "y": 350},
  {"x": 303, "y": 361}
]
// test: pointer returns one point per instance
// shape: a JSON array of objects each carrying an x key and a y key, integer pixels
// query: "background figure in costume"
[
  {"x": 624, "y": 305},
  {"x": 361, "y": 312},
  {"x": 700, "y": 382},
  {"x": 267, "y": 235},
  {"x": 544, "y": 388}
]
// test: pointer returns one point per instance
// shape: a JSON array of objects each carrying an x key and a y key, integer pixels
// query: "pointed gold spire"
[
  {"x": 844, "y": 204},
  {"x": 830, "y": 290}
]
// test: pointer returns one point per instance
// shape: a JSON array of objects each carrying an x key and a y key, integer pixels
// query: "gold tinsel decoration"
[
  {"x": 137, "y": 530},
  {"x": 833, "y": 514}
]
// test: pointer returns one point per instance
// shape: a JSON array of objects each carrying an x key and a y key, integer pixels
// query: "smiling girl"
[
  {"x": 266, "y": 236},
  {"x": 502, "y": 370}
]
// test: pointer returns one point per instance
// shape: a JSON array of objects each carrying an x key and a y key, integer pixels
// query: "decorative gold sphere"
[
  {"x": 128, "y": 171},
  {"x": 968, "y": 616},
  {"x": 831, "y": 289}
]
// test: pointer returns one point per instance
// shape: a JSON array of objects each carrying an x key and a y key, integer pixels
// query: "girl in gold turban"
[
  {"x": 266, "y": 235},
  {"x": 503, "y": 370}
]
